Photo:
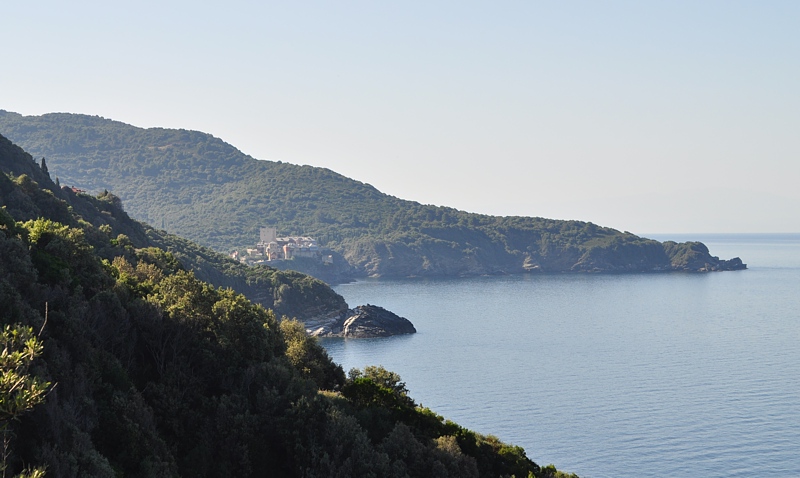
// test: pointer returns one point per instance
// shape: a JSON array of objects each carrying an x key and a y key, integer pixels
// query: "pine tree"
[{"x": 44, "y": 167}]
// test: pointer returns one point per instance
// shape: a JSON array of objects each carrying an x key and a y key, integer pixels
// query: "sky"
[{"x": 650, "y": 117}]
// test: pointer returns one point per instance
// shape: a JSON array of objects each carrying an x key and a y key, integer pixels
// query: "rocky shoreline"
[{"x": 649, "y": 257}]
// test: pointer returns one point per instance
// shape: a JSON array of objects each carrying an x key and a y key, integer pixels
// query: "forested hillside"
[
  {"x": 200, "y": 187},
  {"x": 286, "y": 292},
  {"x": 118, "y": 361}
]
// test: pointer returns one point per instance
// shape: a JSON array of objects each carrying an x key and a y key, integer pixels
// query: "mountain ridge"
[{"x": 200, "y": 187}]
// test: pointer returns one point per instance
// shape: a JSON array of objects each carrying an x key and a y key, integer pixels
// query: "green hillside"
[
  {"x": 286, "y": 292},
  {"x": 202, "y": 188},
  {"x": 118, "y": 361}
]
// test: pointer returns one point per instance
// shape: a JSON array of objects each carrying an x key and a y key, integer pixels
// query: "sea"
[{"x": 635, "y": 375}]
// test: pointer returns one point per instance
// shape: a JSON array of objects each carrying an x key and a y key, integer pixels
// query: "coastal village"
[{"x": 271, "y": 249}]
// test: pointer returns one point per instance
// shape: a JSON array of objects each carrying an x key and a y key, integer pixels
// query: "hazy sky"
[{"x": 672, "y": 116}]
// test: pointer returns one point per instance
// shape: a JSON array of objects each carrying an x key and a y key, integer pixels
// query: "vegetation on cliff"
[
  {"x": 155, "y": 372},
  {"x": 202, "y": 188}
]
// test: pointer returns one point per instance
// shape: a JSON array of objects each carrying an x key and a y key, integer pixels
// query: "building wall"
[{"x": 268, "y": 234}]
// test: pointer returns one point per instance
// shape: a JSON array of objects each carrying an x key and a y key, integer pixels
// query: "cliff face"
[
  {"x": 694, "y": 256},
  {"x": 613, "y": 255},
  {"x": 340, "y": 271}
]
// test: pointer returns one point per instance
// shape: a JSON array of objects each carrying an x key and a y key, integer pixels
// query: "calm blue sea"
[{"x": 649, "y": 375}]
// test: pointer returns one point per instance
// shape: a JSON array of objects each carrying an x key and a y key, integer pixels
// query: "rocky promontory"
[{"x": 364, "y": 321}]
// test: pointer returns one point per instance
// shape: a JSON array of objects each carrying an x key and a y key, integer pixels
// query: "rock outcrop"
[
  {"x": 695, "y": 257},
  {"x": 362, "y": 322}
]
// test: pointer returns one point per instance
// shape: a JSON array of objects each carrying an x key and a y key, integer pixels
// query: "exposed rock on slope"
[{"x": 694, "y": 256}]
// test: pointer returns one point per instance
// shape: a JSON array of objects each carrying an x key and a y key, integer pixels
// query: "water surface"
[{"x": 647, "y": 375}]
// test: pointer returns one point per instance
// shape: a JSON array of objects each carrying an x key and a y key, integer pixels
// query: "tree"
[
  {"x": 381, "y": 376},
  {"x": 44, "y": 167},
  {"x": 377, "y": 387},
  {"x": 19, "y": 391},
  {"x": 309, "y": 357}
]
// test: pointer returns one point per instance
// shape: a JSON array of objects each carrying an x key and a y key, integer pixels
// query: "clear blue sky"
[{"x": 672, "y": 116}]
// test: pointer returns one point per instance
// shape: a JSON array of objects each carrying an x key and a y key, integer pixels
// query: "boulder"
[
  {"x": 373, "y": 321},
  {"x": 363, "y": 322}
]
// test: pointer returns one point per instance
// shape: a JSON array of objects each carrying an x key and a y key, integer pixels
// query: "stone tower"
[{"x": 268, "y": 234}]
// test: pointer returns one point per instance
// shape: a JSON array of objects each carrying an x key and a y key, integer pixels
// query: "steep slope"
[
  {"x": 158, "y": 373},
  {"x": 287, "y": 292},
  {"x": 200, "y": 187}
]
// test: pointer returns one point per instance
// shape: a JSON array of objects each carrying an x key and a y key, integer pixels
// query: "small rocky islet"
[{"x": 364, "y": 321}]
